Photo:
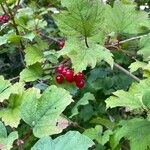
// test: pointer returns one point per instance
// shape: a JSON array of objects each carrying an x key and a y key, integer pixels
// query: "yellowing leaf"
[
  {"x": 12, "y": 114},
  {"x": 6, "y": 89},
  {"x": 6, "y": 142}
]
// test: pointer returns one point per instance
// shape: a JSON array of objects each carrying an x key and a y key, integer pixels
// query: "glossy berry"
[
  {"x": 78, "y": 77},
  {"x": 69, "y": 75},
  {"x": 61, "y": 44},
  {"x": 80, "y": 84},
  {"x": 60, "y": 79},
  {"x": 64, "y": 72},
  {"x": 60, "y": 69}
]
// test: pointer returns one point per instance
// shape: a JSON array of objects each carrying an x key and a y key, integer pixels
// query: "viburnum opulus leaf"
[
  {"x": 134, "y": 130},
  {"x": 82, "y": 56},
  {"x": 82, "y": 18},
  {"x": 71, "y": 140},
  {"x": 124, "y": 18},
  {"x": 6, "y": 141},
  {"x": 42, "y": 112}
]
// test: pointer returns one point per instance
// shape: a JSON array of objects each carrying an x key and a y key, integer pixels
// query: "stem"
[
  {"x": 14, "y": 79},
  {"x": 86, "y": 42},
  {"x": 3, "y": 9},
  {"x": 130, "y": 39},
  {"x": 47, "y": 37},
  {"x": 17, "y": 6},
  {"x": 17, "y": 32},
  {"x": 127, "y": 72},
  {"x": 12, "y": 18}
]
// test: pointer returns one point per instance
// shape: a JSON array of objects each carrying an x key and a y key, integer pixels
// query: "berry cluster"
[
  {"x": 61, "y": 44},
  {"x": 68, "y": 74},
  {"x": 4, "y": 19}
]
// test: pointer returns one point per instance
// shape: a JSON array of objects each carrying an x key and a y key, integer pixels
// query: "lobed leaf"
[
  {"x": 43, "y": 112},
  {"x": 71, "y": 140}
]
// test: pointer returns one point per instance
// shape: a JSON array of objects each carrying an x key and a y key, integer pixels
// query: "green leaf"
[
  {"x": 82, "y": 18},
  {"x": 6, "y": 89},
  {"x": 6, "y": 142},
  {"x": 103, "y": 121},
  {"x": 12, "y": 114},
  {"x": 144, "y": 47},
  {"x": 3, "y": 40},
  {"x": 122, "y": 18},
  {"x": 77, "y": 51},
  {"x": 98, "y": 134},
  {"x": 146, "y": 99},
  {"x": 136, "y": 65},
  {"x": 147, "y": 70},
  {"x": 29, "y": 36},
  {"x": 4, "y": 84},
  {"x": 36, "y": 23},
  {"x": 135, "y": 130},
  {"x": 45, "y": 109},
  {"x": 31, "y": 73},
  {"x": 1, "y": 1},
  {"x": 33, "y": 54},
  {"x": 72, "y": 140},
  {"x": 13, "y": 38},
  {"x": 83, "y": 101},
  {"x": 131, "y": 99}
]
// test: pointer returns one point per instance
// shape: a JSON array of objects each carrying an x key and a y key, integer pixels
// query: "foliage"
[{"x": 105, "y": 46}]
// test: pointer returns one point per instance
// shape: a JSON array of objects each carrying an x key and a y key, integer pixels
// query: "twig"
[
  {"x": 3, "y": 9},
  {"x": 127, "y": 72},
  {"x": 14, "y": 79},
  {"x": 130, "y": 39},
  {"x": 27, "y": 135},
  {"x": 17, "y": 31},
  {"x": 12, "y": 18},
  {"x": 75, "y": 124},
  {"x": 47, "y": 37},
  {"x": 18, "y": 3},
  {"x": 17, "y": 6}
]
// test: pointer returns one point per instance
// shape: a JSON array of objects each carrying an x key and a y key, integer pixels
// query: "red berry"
[
  {"x": 61, "y": 44},
  {"x": 60, "y": 79},
  {"x": 60, "y": 69},
  {"x": 64, "y": 72},
  {"x": 79, "y": 76},
  {"x": 80, "y": 84},
  {"x": 69, "y": 75}
]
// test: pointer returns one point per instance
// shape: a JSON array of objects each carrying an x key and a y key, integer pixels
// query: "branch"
[
  {"x": 3, "y": 9},
  {"x": 17, "y": 7},
  {"x": 49, "y": 38},
  {"x": 130, "y": 39},
  {"x": 127, "y": 72},
  {"x": 17, "y": 31}
]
